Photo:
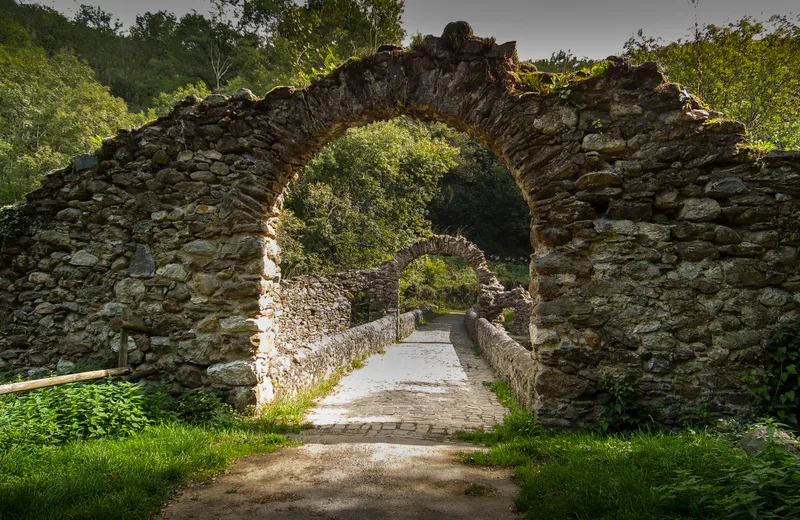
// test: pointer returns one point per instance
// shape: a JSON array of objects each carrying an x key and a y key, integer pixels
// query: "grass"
[
  {"x": 128, "y": 478},
  {"x": 289, "y": 412},
  {"x": 476, "y": 489},
  {"x": 131, "y": 476},
  {"x": 645, "y": 474}
]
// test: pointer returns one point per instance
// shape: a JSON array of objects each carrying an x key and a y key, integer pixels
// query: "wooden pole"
[
  {"x": 60, "y": 380},
  {"x": 123, "y": 339}
]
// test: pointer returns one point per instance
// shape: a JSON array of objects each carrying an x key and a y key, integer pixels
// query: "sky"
[{"x": 593, "y": 28}]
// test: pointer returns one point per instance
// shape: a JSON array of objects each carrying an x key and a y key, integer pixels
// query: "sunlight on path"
[{"x": 431, "y": 383}]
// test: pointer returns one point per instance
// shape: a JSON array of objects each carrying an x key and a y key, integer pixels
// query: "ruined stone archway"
[
  {"x": 663, "y": 253},
  {"x": 488, "y": 285}
]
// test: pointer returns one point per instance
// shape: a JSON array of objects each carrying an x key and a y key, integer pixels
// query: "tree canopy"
[
  {"x": 364, "y": 197},
  {"x": 51, "y": 109}
]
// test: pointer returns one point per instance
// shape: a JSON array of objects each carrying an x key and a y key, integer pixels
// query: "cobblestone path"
[{"x": 428, "y": 386}]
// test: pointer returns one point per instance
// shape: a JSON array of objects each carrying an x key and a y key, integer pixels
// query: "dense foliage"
[
  {"x": 480, "y": 199},
  {"x": 440, "y": 283},
  {"x": 363, "y": 197},
  {"x": 749, "y": 70},
  {"x": 51, "y": 109},
  {"x": 80, "y": 411},
  {"x": 68, "y": 83},
  {"x": 446, "y": 283},
  {"x": 119, "y": 450},
  {"x": 236, "y": 43}
]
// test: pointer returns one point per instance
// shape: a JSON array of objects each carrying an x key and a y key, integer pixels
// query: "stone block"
[
  {"x": 700, "y": 210},
  {"x": 234, "y": 373}
]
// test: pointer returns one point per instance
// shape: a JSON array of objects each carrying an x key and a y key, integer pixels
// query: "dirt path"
[{"x": 380, "y": 447}]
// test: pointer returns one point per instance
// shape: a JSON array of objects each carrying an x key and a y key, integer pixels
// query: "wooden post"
[
  {"x": 60, "y": 380},
  {"x": 397, "y": 315},
  {"x": 123, "y": 339}
]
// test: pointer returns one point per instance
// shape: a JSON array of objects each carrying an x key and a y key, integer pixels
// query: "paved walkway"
[
  {"x": 377, "y": 448},
  {"x": 428, "y": 386}
]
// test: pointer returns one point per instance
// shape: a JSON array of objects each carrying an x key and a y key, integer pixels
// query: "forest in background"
[{"x": 67, "y": 83}]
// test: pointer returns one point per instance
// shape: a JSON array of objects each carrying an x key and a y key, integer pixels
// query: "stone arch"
[
  {"x": 488, "y": 285},
  {"x": 664, "y": 251}
]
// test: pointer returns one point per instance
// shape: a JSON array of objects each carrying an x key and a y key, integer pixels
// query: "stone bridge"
[
  {"x": 315, "y": 306},
  {"x": 665, "y": 252}
]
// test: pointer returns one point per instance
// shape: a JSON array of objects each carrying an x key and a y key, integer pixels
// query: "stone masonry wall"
[
  {"x": 317, "y": 306},
  {"x": 510, "y": 360},
  {"x": 665, "y": 252},
  {"x": 301, "y": 368}
]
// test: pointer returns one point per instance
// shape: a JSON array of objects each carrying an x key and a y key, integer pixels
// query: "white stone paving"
[{"x": 430, "y": 384}]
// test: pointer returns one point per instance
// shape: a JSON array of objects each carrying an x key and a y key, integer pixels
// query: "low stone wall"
[
  {"x": 302, "y": 367},
  {"x": 509, "y": 359},
  {"x": 409, "y": 322},
  {"x": 317, "y": 306},
  {"x": 314, "y": 306}
]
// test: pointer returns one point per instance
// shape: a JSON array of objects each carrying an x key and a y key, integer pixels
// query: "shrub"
[
  {"x": 766, "y": 488},
  {"x": 70, "y": 412},
  {"x": 204, "y": 407},
  {"x": 777, "y": 391},
  {"x": 620, "y": 411}
]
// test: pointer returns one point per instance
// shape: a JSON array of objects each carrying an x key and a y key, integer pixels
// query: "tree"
[
  {"x": 297, "y": 42},
  {"x": 748, "y": 70},
  {"x": 363, "y": 198},
  {"x": 563, "y": 61},
  {"x": 480, "y": 199},
  {"x": 51, "y": 108}
]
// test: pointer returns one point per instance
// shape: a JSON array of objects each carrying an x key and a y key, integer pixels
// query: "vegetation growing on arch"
[{"x": 748, "y": 70}]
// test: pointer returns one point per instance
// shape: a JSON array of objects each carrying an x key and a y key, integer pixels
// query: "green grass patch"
[
  {"x": 646, "y": 474},
  {"x": 119, "y": 450},
  {"x": 127, "y": 478},
  {"x": 476, "y": 489},
  {"x": 114, "y": 449}
]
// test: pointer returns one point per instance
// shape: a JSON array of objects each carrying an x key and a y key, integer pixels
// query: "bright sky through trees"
[{"x": 594, "y": 28}]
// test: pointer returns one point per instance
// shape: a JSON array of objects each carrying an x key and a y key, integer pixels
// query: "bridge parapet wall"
[
  {"x": 300, "y": 368},
  {"x": 510, "y": 360}
]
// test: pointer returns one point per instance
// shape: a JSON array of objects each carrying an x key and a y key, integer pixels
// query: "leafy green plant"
[
  {"x": 359, "y": 309},
  {"x": 536, "y": 81},
  {"x": 767, "y": 488},
  {"x": 71, "y": 412},
  {"x": 416, "y": 41},
  {"x": 620, "y": 411},
  {"x": 508, "y": 317},
  {"x": 777, "y": 389},
  {"x": 205, "y": 407},
  {"x": 746, "y": 69}
]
